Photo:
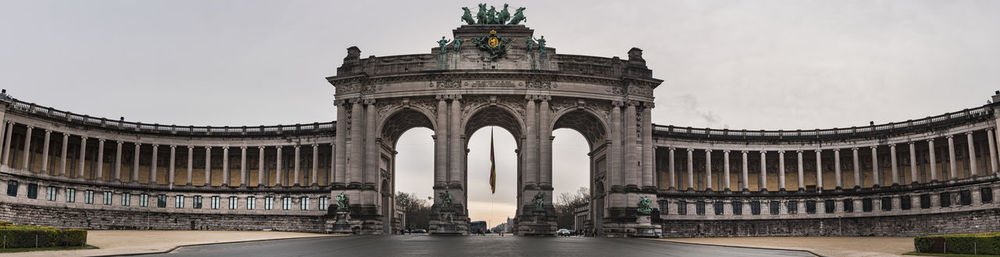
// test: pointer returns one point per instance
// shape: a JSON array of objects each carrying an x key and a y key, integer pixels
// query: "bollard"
[
  {"x": 975, "y": 249},
  {"x": 36, "y": 241},
  {"x": 945, "y": 246}
]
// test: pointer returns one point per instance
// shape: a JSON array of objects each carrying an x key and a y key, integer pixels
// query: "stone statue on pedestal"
[{"x": 539, "y": 201}]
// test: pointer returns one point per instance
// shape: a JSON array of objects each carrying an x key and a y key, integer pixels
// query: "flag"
[{"x": 493, "y": 167}]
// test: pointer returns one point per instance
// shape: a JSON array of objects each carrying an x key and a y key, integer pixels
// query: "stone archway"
[
  {"x": 595, "y": 132},
  {"x": 392, "y": 127}
]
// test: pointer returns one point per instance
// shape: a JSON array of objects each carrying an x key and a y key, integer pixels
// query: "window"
[
  {"x": 234, "y": 202},
  {"x": 179, "y": 202},
  {"x": 682, "y": 207},
  {"x": 737, "y": 208},
  {"x": 793, "y": 207},
  {"x": 811, "y": 206},
  {"x": 699, "y": 208},
  {"x": 251, "y": 202},
  {"x": 986, "y": 195},
  {"x": 11, "y": 188},
  {"x": 867, "y": 205},
  {"x": 161, "y": 201},
  {"x": 754, "y": 207},
  {"x": 215, "y": 203},
  {"x": 196, "y": 202},
  {"x": 70, "y": 195},
  {"x": 905, "y": 202},
  {"x": 126, "y": 199},
  {"x": 304, "y": 202},
  {"x": 269, "y": 202},
  {"x": 945, "y": 200},
  {"x": 848, "y": 205},
  {"x": 775, "y": 207},
  {"x": 829, "y": 206},
  {"x": 88, "y": 197},
  {"x": 32, "y": 191},
  {"x": 925, "y": 201},
  {"x": 323, "y": 204},
  {"x": 50, "y": 193},
  {"x": 286, "y": 203},
  {"x": 964, "y": 196},
  {"x": 886, "y": 203},
  {"x": 107, "y": 197},
  {"x": 143, "y": 200}
]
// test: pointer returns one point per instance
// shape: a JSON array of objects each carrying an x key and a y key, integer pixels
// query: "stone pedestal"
[
  {"x": 343, "y": 223},
  {"x": 645, "y": 228},
  {"x": 448, "y": 222},
  {"x": 537, "y": 222}
]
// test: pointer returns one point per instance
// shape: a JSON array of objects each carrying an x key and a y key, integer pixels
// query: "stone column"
[
  {"x": 315, "y": 165},
  {"x": 673, "y": 174},
  {"x": 876, "y": 175},
  {"x": 781, "y": 170},
  {"x": 357, "y": 145},
  {"x": 819, "y": 169},
  {"x": 993, "y": 150},
  {"x": 260, "y": 161},
  {"x": 333, "y": 163},
  {"x": 135, "y": 163},
  {"x": 190, "y": 163},
  {"x": 152, "y": 166},
  {"x": 913, "y": 162},
  {"x": 62, "y": 161},
  {"x": 173, "y": 165},
  {"x": 725, "y": 174},
  {"x": 297, "y": 159},
  {"x": 100, "y": 159},
  {"x": 371, "y": 142},
  {"x": 857, "y": 169},
  {"x": 6, "y": 148},
  {"x": 279, "y": 179},
  {"x": 708, "y": 169},
  {"x": 631, "y": 154},
  {"x": 746, "y": 172},
  {"x": 972, "y": 155},
  {"x": 953, "y": 166},
  {"x": 801, "y": 174},
  {"x": 933, "y": 162},
  {"x": 531, "y": 142},
  {"x": 45, "y": 152},
  {"x": 83, "y": 157},
  {"x": 690, "y": 163},
  {"x": 615, "y": 176},
  {"x": 340, "y": 146},
  {"x": 441, "y": 143},
  {"x": 225, "y": 165},
  {"x": 27, "y": 150},
  {"x": 118, "y": 162},
  {"x": 895, "y": 169},
  {"x": 208, "y": 166},
  {"x": 648, "y": 150},
  {"x": 545, "y": 139},
  {"x": 763, "y": 170},
  {"x": 458, "y": 149},
  {"x": 243, "y": 166},
  {"x": 836, "y": 169}
]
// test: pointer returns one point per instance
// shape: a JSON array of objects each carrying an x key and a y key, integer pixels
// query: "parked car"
[
  {"x": 563, "y": 232},
  {"x": 419, "y": 230}
]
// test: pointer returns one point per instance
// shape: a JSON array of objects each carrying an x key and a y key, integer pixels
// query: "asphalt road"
[{"x": 424, "y": 245}]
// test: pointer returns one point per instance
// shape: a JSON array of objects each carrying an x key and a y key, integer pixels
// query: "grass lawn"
[
  {"x": 947, "y": 254},
  {"x": 18, "y": 250}
]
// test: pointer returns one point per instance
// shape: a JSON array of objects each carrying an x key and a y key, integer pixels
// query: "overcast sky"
[{"x": 725, "y": 64}]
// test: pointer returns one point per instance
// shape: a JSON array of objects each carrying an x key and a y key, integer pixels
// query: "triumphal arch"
[{"x": 494, "y": 71}]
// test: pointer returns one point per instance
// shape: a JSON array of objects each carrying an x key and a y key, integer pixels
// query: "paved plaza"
[{"x": 424, "y": 245}]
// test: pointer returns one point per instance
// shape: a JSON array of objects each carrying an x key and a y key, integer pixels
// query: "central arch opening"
[{"x": 484, "y": 205}]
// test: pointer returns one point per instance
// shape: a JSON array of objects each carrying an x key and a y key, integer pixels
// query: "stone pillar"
[
  {"x": 458, "y": 149},
  {"x": 340, "y": 146},
  {"x": 152, "y": 166},
  {"x": 763, "y": 170},
  {"x": 801, "y": 174},
  {"x": 781, "y": 170},
  {"x": 135, "y": 163},
  {"x": 441, "y": 144},
  {"x": 953, "y": 166},
  {"x": 690, "y": 163},
  {"x": 725, "y": 174},
  {"x": 45, "y": 152},
  {"x": 857, "y": 169},
  {"x": 673, "y": 173},
  {"x": 545, "y": 139},
  {"x": 173, "y": 165},
  {"x": 243, "y": 166},
  {"x": 836, "y": 169},
  {"x": 331, "y": 175},
  {"x": 279, "y": 179},
  {"x": 993, "y": 150},
  {"x": 972, "y": 155},
  {"x": 100, "y": 159},
  {"x": 819, "y": 169},
  {"x": 225, "y": 165},
  {"x": 708, "y": 169},
  {"x": 648, "y": 150},
  {"x": 62, "y": 161},
  {"x": 746, "y": 172},
  {"x": 372, "y": 145},
  {"x": 531, "y": 142},
  {"x": 260, "y": 161},
  {"x": 6, "y": 148},
  {"x": 913, "y": 162},
  {"x": 933, "y": 162},
  {"x": 190, "y": 163},
  {"x": 876, "y": 175},
  {"x": 357, "y": 145},
  {"x": 631, "y": 155},
  {"x": 208, "y": 166},
  {"x": 315, "y": 165},
  {"x": 895, "y": 169},
  {"x": 27, "y": 150},
  {"x": 118, "y": 161},
  {"x": 297, "y": 159},
  {"x": 615, "y": 176}
]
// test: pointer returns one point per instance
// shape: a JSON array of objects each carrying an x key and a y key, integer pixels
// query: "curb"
[
  {"x": 204, "y": 244},
  {"x": 737, "y": 246}
]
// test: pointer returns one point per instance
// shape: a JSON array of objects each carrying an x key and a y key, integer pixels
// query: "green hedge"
[
  {"x": 983, "y": 243},
  {"x": 25, "y": 236}
]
